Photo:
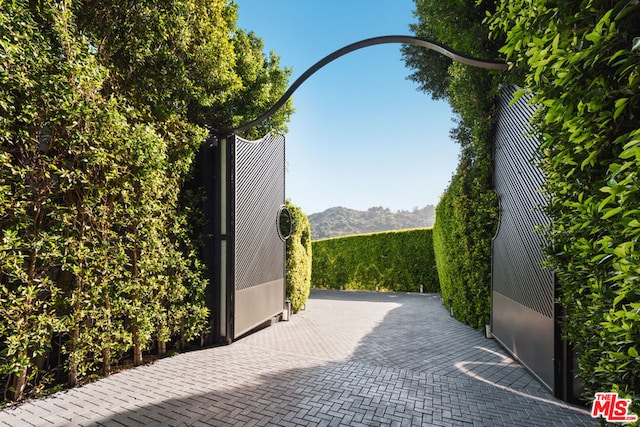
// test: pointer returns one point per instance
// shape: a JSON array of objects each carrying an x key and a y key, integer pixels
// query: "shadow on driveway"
[{"x": 351, "y": 359}]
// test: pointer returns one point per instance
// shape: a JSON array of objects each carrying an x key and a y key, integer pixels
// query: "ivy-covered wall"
[
  {"x": 581, "y": 62},
  {"x": 391, "y": 261}
]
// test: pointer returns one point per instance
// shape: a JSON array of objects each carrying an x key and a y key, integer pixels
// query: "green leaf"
[
  {"x": 622, "y": 249},
  {"x": 590, "y": 160},
  {"x": 620, "y": 106},
  {"x": 611, "y": 212},
  {"x": 517, "y": 95}
]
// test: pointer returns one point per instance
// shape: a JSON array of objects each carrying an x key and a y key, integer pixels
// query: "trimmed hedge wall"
[
  {"x": 393, "y": 261},
  {"x": 465, "y": 222},
  {"x": 467, "y": 214},
  {"x": 298, "y": 258}
]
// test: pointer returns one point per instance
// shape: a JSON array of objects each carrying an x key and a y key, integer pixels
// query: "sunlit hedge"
[
  {"x": 298, "y": 258},
  {"x": 581, "y": 62},
  {"x": 103, "y": 106},
  {"x": 466, "y": 216},
  {"x": 465, "y": 222},
  {"x": 390, "y": 261}
]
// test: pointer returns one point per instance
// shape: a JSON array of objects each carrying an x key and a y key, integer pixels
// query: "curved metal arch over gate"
[
  {"x": 241, "y": 198},
  {"x": 393, "y": 39},
  {"x": 239, "y": 194}
]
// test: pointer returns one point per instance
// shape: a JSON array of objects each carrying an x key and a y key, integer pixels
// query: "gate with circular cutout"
[
  {"x": 244, "y": 246},
  {"x": 244, "y": 235}
]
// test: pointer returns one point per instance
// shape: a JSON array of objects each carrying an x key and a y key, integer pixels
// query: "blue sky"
[{"x": 362, "y": 135}]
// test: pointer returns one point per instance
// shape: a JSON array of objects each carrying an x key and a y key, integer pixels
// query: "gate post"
[{"x": 215, "y": 182}]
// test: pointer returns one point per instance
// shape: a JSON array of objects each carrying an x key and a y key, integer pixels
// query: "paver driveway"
[{"x": 351, "y": 358}]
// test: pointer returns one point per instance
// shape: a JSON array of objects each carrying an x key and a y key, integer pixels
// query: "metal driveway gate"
[
  {"x": 522, "y": 303},
  {"x": 244, "y": 251},
  {"x": 244, "y": 248}
]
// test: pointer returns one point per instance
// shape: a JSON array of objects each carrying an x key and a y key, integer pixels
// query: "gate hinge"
[{"x": 212, "y": 141}]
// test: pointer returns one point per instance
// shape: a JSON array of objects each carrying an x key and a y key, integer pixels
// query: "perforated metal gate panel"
[
  {"x": 258, "y": 250},
  {"x": 522, "y": 311}
]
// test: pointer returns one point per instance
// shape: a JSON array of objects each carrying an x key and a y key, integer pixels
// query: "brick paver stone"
[{"x": 349, "y": 359}]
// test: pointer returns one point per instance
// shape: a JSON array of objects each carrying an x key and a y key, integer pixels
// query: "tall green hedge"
[
  {"x": 103, "y": 106},
  {"x": 390, "y": 261},
  {"x": 462, "y": 234},
  {"x": 298, "y": 260},
  {"x": 466, "y": 216},
  {"x": 581, "y": 62}
]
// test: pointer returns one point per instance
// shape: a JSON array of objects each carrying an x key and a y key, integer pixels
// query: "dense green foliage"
[
  {"x": 462, "y": 245},
  {"x": 466, "y": 216},
  {"x": 581, "y": 62},
  {"x": 298, "y": 260},
  {"x": 339, "y": 221},
  {"x": 391, "y": 261},
  {"x": 103, "y": 106}
]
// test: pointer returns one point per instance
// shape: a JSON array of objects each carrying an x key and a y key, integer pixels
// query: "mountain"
[{"x": 339, "y": 221}]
